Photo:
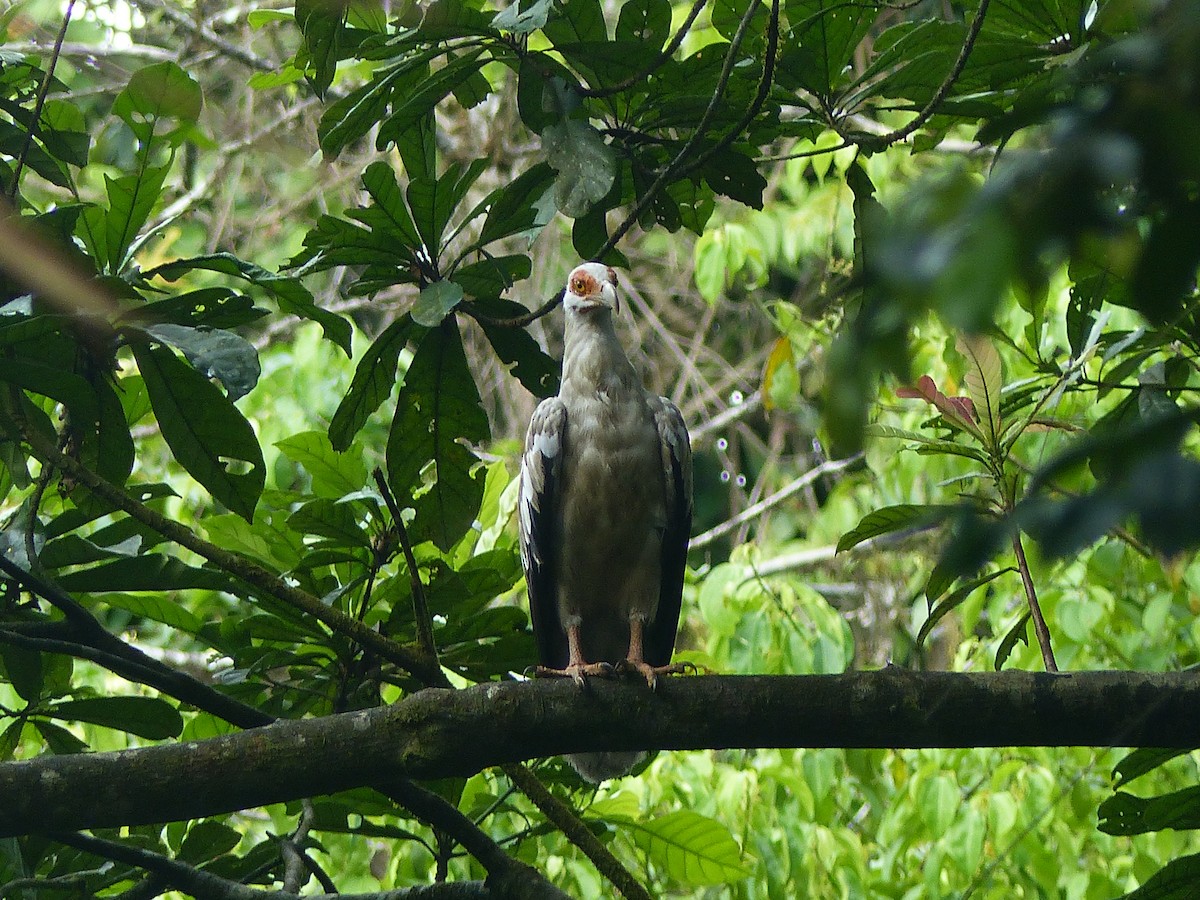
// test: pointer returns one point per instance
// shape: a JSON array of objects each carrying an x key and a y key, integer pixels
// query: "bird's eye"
[{"x": 579, "y": 285}]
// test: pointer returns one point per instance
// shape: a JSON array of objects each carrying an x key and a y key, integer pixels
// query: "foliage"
[{"x": 796, "y": 152}]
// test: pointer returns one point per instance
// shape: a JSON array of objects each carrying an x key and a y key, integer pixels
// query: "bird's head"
[{"x": 590, "y": 287}]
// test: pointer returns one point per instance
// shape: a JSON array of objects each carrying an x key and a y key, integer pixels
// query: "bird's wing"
[
  {"x": 675, "y": 448},
  {"x": 541, "y": 464}
]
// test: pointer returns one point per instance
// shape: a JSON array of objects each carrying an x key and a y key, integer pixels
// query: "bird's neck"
[{"x": 593, "y": 358}]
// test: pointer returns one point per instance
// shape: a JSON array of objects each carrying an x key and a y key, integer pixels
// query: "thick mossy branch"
[{"x": 439, "y": 733}]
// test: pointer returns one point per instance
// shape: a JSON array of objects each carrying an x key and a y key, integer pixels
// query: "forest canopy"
[{"x": 280, "y": 288}]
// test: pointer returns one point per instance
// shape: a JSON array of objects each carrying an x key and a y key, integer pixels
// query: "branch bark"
[{"x": 440, "y": 733}]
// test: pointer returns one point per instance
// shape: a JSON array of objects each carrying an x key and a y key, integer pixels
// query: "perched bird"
[{"x": 605, "y": 511}]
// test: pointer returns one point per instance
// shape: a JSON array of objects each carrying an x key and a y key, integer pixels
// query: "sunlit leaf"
[{"x": 690, "y": 848}]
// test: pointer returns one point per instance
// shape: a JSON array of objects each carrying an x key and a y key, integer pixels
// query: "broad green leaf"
[
  {"x": 433, "y": 203},
  {"x": 321, "y": 23},
  {"x": 431, "y": 90},
  {"x": 215, "y": 353},
  {"x": 23, "y": 670},
  {"x": 577, "y": 21},
  {"x": 158, "y": 607},
  {"x": 586, "y": 166},
  {"x": 435, "y": 302},
  {"x": 1141, "y": 761},
  {"x": 69, "y": 389},
  {"x": 58, "y": 739},
  {"x": 334, "y": 474},
  {"x": 690, "y": 848},
  {"x": 537, "y": 371},
  {"x": 819, "y": 46},
  {"x": 984, "y": 381},
  {"x": 938, "y": 801},
  {"x": 10, "y": 739},
  {"x": 892, "y": 518},
  {"x": 438, "y": 409},
  {"x": 1126, "y": 814},
  {"x": 518, "y": 207},
  {"x": 109, "y": 233},
  {"x": 292, "y": 296},
  {"x": 647, "y": 22},
  {"x": 330, "y": 519},
  {"x": 952, "y": 600},
  {"x": 216, "y": 307},
  {"x": 1009, "y": 642},
  {"x": 206, "y": 840},
  {"x": 149, "y": 572},
  {"x": 492, "y": 276},
  {"x": 146, "y": 717},
  {"x": 1177, "y": 880},
  {"x": 206, "y": 432},
  {"x": 523, "y": 16},
  {"x": 373, "y": 380},
  {"x": 159, "y": 91}
]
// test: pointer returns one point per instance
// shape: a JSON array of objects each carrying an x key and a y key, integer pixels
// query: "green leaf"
[
  {"x": 146, "y": 717},
  {"x": 586, "y": 166},
  {"x": 691, "y": 849},
  {"x": 206, "y": 840},
  {"x": 23, "y": 670},
  {"x": 435, "y": 302},
  {"x": 108, "y": 234},
  {"x": 330, "y": 519},
  {"x": 207, "y": 433},
  {"x": 215, "y": 353},
  {"x": 438, "y": 409},
  {"x": 952, "y": 600},
  {"x": 1141, "y": 761},
  {"x": 516, "y": 20},
  {"x": 1014, "y": 634},
  {"x": 537, "y": 371},
  {"x": 321, "y": 23},
  {"x": 372, "y": 382},
  {"x": 158, "y": 91},
  {"x": 647, "y": 22},
  {"x": 578, "y": 21},
  {"x": 984, "y": 381},
  {"x": 58, "y": 739},
  {"x": 150, "y": 572},
  {"x": 50, "y": 381},
  {"x": 157, "y": 607},
  {"x": 892, "y": 518},
  {"x": 1126, "y": 814},
  {"x": 334, "y": 474},
  {"x": 215, "y": 307},
  {"x": 434, "y": 202},
  {"x": 818, "y": 49},
  {"x": 518, "y": 207},
  {"x": 1177, "y": 880},
  {"x": 429, "y": 91},
  {"x": 292, "y": 297}
]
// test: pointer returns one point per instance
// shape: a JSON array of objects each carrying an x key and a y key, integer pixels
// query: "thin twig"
[
  {"x": 566, "y": 820},
  {"x": 752, "y": 512},
  {"x": 249, "y": 572},
  {"x": 424, "y": 621},
  {"x": 664, "y": 55},
  {"x": 881, "y": 142},
  {"x": 39, "y": 104},
  {"x": 206, "y": 34},
  {"x": 1035, "y": 608}
]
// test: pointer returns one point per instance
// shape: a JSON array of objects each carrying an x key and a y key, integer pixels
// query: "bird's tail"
[{"x": 598, "y": 767}]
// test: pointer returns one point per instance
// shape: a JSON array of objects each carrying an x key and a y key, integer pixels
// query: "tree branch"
[{"x": 439, "y": 733}]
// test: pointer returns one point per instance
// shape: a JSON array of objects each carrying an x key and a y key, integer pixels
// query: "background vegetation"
[{"x": 921, "y": 275}]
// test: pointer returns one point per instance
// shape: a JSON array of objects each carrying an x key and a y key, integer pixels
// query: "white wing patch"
[{"x": 539, "y": 467}]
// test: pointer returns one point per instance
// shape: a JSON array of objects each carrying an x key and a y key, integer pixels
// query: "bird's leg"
[
  {"x": 577, "y": 668},
  {"x": 635, "y": 658}
]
